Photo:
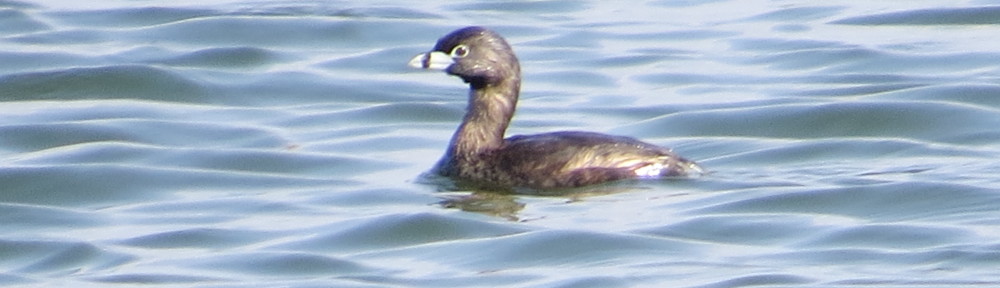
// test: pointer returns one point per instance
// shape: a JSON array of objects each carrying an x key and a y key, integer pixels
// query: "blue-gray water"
[{"x": 279, "y": 144}]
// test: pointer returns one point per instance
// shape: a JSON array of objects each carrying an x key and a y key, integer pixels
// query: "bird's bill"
[{"x": 432, "y": 61}]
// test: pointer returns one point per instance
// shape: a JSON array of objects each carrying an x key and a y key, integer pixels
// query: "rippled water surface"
[{"x": 280, "y": 144}]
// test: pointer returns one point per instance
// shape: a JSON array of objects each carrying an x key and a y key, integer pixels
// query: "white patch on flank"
[{"x": 651, "y": 170}]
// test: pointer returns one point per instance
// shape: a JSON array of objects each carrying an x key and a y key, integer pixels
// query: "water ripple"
[
  {"x": 110, "y": 82},
  {"x": 282, "y": 144},
  {"x": 936, "y": 16}
]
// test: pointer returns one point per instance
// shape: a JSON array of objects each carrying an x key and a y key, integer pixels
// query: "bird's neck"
[{"x": 491, "y": 107}]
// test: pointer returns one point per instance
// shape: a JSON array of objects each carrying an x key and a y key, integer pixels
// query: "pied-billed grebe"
[{"x": 479, "y": 154}]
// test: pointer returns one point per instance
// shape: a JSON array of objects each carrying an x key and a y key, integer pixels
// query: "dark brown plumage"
[{"x": 479, "y": 154}]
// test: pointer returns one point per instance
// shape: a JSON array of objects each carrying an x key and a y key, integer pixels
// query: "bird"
[{"x": 479, "y": 155}]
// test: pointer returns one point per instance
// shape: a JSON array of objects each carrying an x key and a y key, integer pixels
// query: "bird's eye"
[{"x": 460, "y": 51}]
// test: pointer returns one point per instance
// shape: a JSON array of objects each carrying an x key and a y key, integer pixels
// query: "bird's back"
[{"x": 570, "y": 159}]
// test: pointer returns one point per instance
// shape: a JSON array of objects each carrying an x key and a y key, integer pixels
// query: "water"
[{"x": 249, "y": 143}]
